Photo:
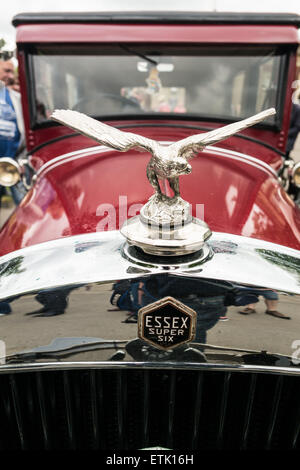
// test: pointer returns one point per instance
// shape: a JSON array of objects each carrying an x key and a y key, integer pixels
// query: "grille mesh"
[{"x": 137, "y": 408}]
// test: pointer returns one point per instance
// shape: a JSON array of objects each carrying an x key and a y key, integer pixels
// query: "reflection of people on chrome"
[
  {"x": 205, "y": 297},
  {"x": 5, "y": 308},
  {"x": 54, "y": 302},
  {"x": 271, "y": 301}
]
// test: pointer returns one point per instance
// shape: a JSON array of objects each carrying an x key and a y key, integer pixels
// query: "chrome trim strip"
[
  {"x": 19, "y": 368},
  {"x": 243, "y": 157},
  {"x": 114, "y": 235},
  {"x": 70, "y": 156}
]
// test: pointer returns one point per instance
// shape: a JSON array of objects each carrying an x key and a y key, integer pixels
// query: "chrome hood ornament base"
[
  {"x": 162, "y": 210},
  {"x": 165, "y": 225},
  {"x": 164, "y": 240}
]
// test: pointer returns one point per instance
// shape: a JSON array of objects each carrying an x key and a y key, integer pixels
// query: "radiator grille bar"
[
  {"x": 248, "y": 413},
  {"x": 274, "y": 410},
  {"x": 296, "y": 432},
  {"x": 43, "y": 411},
  {"x": 17, "y": 409},
  {"x": 69, "y": 411},
  {"x": 146, "y": 407},
  {"x": 133, "y": 409},
  {"x": 171, "y": 408},
  {"x": 94, "y": 394},
  {"x": 223, "y": 409},
  {"x": 198, "y": 402}
]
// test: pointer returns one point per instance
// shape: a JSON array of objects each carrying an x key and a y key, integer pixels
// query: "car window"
[{"x": 200, "y": 83}]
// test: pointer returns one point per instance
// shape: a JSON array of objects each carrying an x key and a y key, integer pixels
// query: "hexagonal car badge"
[{"x": 167, "y": 323}]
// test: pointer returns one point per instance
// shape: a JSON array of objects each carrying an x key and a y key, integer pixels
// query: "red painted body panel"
[
  {"x": 77, "y": 196},
  {"x": 101, "y": 33},
  {"x": 236, "y": 196}
]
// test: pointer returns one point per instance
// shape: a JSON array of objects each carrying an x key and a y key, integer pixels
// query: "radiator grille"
[{"x": 137, "y": 408}]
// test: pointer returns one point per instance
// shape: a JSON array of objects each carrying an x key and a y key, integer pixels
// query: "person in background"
[
  {"x": 15, "y": 85},
  {"x": 7, "y": 71},
  {"x": 12, "y": 138},
  {"x": 271, "y": 300}
]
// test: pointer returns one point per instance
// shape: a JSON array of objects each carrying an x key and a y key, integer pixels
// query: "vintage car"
[{"x": 125, "y": 258}]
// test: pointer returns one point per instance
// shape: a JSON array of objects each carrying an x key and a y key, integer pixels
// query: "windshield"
[{"x": 202, "y": 83}]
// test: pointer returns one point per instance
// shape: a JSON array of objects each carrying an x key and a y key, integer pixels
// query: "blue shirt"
[{"x": 9, "y": 132}]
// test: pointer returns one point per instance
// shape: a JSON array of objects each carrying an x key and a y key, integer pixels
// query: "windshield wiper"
[{"x": 138, "y": 54}]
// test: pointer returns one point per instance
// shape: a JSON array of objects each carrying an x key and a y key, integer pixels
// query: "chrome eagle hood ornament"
[{"x": 165, "y": 225}]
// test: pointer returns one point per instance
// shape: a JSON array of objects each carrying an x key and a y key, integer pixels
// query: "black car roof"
[{"x": 165, "y": 17}]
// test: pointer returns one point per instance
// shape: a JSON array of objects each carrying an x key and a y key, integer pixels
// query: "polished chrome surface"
[
  {"x": 114, "y": 365},
  {"x": 166, "y": 240},
  {"x": 295, "y": 174},
  {"x": 162, "y": 217},
  {"x": 10, "y": 171},
  {"x": 136, "y": 257},
  {"x": 97, "y": 257},
  {"x": 65, "y": 303}
]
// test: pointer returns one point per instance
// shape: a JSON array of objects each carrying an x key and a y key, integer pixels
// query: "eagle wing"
[
  {"x": 189, "y": 146},
  {"x": 106, "y": 135}
]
